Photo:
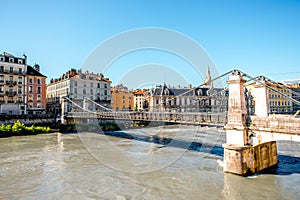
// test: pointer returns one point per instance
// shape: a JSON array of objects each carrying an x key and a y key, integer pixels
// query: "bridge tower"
[
  {"x": 241, "y": 157},
  {"x": 236, "y": 129},
  {"x": 64, "y": 110}
]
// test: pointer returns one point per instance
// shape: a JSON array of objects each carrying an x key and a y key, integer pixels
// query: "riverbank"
[{"x": 19, "y": 129}]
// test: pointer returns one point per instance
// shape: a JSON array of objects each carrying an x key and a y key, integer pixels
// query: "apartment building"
[
  {"x": 76, "y": 85},
  {"x": 121, "y": 98},
  {"x": 12, "y": 84},
  {"x": 36, "y": 90}
]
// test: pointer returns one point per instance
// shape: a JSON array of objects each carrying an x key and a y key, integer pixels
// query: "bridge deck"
[{"x": 199, "y": 118}]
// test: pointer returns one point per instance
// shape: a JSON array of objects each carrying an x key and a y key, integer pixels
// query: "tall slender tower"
[{"x": 208, "y": 83}]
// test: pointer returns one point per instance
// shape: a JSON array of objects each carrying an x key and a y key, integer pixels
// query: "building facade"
[
  {"x": 138, "y": 100},
  {"x": 12, "y": 84},
  {"x": 77, "y": 85},
  {"x": 295, "y": 89},
  {"x": 36, "y": 90},
  {"x": 201, "y": 99},
  {"x": 279, "y": 97},
  {"x": 122, "y": 98}
]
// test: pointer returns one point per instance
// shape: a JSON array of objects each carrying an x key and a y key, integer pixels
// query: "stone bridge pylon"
[{"x": 240, "y": 155}]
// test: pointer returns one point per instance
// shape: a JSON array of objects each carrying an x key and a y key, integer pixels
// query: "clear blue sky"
[{"x": 258, "y": 37}]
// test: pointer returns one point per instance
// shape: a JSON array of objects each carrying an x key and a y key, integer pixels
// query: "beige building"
[
  {"x": 12, "y": 84},
  {"x": 76, "y": 85},
  {"x": 121, "y": 98}
]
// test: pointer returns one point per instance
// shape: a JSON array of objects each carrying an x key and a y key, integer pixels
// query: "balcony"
[
  {"x": 2, "y": 101},
  {"x": 13, "y": 72},
  {"x": 11, "y": 93},
  {"x": 10, "y": 101},
  {"x": 19, "y": 101},
  {"x": 11, "y": 83}
]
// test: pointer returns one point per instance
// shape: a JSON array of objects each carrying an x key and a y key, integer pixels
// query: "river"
[{"x": 137, "y": 164}]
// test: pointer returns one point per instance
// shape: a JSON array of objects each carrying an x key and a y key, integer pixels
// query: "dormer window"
[
  {"x": 20, "y": 61},
  {"x": 11, "y": 60},
  {"x": 2, "y": 58}
]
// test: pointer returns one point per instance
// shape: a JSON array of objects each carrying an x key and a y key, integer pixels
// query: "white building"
[
  {"x": 138, "y": 99},
  {"x": 77, "y": 85},
  {"x": 12, "y": 84}
]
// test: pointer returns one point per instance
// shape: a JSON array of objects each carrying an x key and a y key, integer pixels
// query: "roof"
[
  {"x": 33, "y": 72},
  {"x": 164, "y": 90}
]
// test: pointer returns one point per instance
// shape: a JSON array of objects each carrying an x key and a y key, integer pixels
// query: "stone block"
[{"x": 247, "y": 160}]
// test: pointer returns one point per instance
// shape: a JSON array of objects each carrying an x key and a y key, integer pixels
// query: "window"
[
  {"x": 1, "y": 78},
  {"x": 11, "y": 60},
  {"x": 20, "y": 70},
  {"x": 19, "y": 80},
  {"x": 19, "y": 89},
  {"x": 105, "y": 93},
  {"x": 11, "y": 89},
  {"x": 39, "y": 81},
  {"x": 30, "y": 81},
  {"x": 11, "y": 69},
  {"x": 75, "y": 90},
  {"x": 30, "y": 97},
  {"x": 75, "y": 83},
  {"x": 39, "y": 90},
  {"x": 91, "y": 92},
  {"x": 20, "y": 61},
  {"x": 10, "y": 100},
  {"x": 84, "y": 91},
  {"x": 2, "y": 58},
  {"x": 11, "y": 78},
  {"x": 98, "y": 85},
  {"x": 2, "y": 89},
  {"x": 30, "y": 89},
  {"x": 38, "y": 97},
  {"x": 105, "y": 85},
  {"x": 1, "y": 68},
  {"x": 91, "y": 84}
]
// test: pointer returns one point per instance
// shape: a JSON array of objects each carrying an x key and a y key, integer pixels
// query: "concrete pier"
[{"x": 240, "y": 156}]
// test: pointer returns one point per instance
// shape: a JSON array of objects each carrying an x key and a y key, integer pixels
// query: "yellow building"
[{"x": 121, "y": 98}]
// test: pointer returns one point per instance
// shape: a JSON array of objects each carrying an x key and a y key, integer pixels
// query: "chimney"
[
  {"x": 24, "y": 57},
  {"x": 36, "y": 67}
]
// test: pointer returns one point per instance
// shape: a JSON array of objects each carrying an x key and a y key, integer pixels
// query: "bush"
[{"x": 20, "y": 129}]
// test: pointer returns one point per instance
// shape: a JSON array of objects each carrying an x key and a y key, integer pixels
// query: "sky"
[{"x": 257, "y": 37}]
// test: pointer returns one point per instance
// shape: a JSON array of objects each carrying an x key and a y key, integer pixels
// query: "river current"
[{"x": 173, "y": 162}]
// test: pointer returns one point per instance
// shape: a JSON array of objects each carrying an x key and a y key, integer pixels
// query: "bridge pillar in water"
[{"x": 240, "y": 157}]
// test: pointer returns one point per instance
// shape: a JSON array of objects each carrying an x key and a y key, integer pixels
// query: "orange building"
[
  {"x": 36, "y": 90},
  {"x": 121, "y": 98}
]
